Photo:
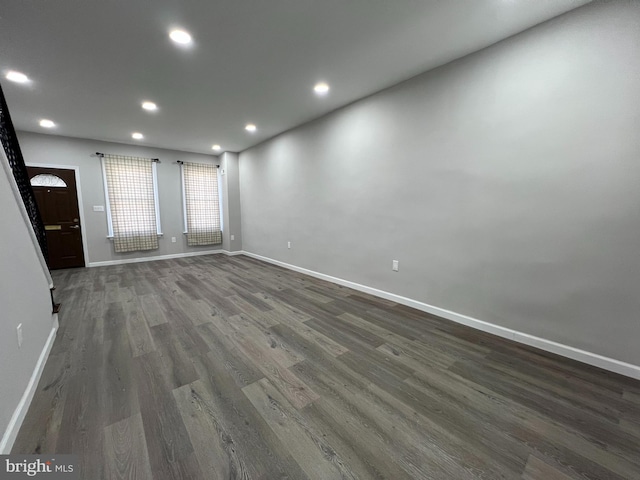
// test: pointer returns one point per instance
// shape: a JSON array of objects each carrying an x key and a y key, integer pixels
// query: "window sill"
[{"x": 110, "y": 237}]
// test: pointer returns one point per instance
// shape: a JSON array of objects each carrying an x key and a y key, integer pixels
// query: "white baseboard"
[
  {"x": 163, "y": 257},
  {"x": 20, "y": 412},
  {"x": 583, "y": 356}
]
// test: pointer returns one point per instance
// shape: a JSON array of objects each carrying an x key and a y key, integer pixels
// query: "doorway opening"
[{"x": 56, "y": 194}]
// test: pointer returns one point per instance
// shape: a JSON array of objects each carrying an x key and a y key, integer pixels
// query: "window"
[
  {"x": 47, "y": 180},
  {"x": 201, "y": 204},
  {"x": 131, "y": 190}
]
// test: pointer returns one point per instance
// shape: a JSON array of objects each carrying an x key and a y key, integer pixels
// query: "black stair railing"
[{"x": 16, "y": 162}]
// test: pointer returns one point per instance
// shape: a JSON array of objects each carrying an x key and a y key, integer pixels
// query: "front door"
[{"x": 57, "y": 199}]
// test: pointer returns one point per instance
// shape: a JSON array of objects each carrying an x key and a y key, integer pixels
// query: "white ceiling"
[{"x": 92, "y": 62}]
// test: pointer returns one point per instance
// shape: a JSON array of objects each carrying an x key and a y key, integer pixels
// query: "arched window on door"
[{"x": 47, "y": 180}]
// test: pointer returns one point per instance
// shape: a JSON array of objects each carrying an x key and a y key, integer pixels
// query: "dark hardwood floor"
[{"x": 221, "y": 367}]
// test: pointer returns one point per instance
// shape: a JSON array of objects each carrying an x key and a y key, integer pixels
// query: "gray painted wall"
[
  {"x": 25, "y": 299},
  {"x": 505, "y": 183},
  {"x": 48, "y": 149},
  {"x": 230, "y": 171}
]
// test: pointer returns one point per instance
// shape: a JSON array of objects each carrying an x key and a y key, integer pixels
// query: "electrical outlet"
[
  {"x": 233, "y": 237},
  {"x": 173, "y": 240},
  {"x": 395, "y": 265},
  {"x": 288, "y": 244},
  {"x": 19, "y": 332}
]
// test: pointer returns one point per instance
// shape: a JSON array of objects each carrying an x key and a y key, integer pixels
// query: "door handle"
[{"x": 74, "y": 226}]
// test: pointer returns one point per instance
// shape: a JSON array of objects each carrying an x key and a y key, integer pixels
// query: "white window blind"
[
  {"x": 201, "y": 204},
  {"x": 132, "y": 202}
]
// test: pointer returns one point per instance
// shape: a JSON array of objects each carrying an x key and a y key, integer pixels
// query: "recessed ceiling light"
[
  {"x": 180, "y": 36},
  {"x": 16, "y": 77},
  {"x": 137, "y": 135},
  {"x": 47, "y": 123},
  {"x": 321, "y": 88},
  {"x": 250, "y": 127},
  {"x": 150, "y": 106},
  {"x": 216, "y": 147}
]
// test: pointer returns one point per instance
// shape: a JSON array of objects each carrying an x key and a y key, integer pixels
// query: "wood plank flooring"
[{"x": 221, "y": 367}]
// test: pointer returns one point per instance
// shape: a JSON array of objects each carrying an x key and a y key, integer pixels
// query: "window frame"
[
  {"x": 154, "y": 174},
  {"x": 185, "y": 228}
]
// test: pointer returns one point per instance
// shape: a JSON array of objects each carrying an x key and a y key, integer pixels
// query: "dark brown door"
[{"x": 57, "y": 199}]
